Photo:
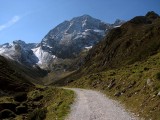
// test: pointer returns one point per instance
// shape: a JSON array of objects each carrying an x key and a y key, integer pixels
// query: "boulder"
[
  {"x": 112, "y": 84},
  {"x": 149, "y": 82}
]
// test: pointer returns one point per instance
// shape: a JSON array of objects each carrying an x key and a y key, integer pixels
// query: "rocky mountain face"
[
  {"x": 28, "y": 54},
  {"x": 118, "y": 23},
  {"x": 19, "y": 51},
  {"x": 66, "y": 40},
  {"x": 69, "y": 38}
]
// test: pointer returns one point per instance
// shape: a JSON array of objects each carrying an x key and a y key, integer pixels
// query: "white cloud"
[{"x": 11, "y": 22}]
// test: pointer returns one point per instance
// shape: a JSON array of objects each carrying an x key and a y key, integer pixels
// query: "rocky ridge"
[{"x": 65, "y": 41}]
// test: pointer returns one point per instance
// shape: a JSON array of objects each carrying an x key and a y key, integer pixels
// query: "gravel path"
[{"x": 93, "y": 105}]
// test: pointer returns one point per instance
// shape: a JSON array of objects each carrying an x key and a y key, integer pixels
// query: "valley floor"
[{"x": 93, "y": 105}]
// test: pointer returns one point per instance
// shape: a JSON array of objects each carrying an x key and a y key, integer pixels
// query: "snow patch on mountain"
[
  {"x": 44, "y": 58},
  {"x": 7, "y": 50},
  {"x": 88, "y": 48}
]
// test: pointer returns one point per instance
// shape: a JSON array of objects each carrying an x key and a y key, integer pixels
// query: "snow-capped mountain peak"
[
  {"x": 26, "y": 53},
  {"x": 18, "y": 50},
  {"x": 66, "y": 40},
  {"x": 70, "y": 37}
]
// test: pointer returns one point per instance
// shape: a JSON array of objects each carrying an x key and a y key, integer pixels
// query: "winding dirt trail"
[{"x": 93, "y": 105}]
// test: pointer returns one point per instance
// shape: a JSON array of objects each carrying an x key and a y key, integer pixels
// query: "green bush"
[{"x": 38, "y": 114}]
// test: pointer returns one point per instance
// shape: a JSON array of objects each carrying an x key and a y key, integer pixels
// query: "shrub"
[{"x": 38, "y": 114}]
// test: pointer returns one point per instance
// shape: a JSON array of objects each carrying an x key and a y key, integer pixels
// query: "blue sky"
[{"x": 31, "y": 20}]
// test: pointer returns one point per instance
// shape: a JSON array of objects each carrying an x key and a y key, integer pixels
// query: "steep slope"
[
  {"x": 44, "y": 58},
  {"x": 135, "y": 40},
  {"x": 69, "y": 38},
  {"x": 10, "y": 79},
  {"x": 18, "y": 77}
]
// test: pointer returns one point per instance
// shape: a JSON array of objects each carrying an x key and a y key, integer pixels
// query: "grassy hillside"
[
  {"x": 14, "y": 72},
  {"x": 41, "y": 103},
  {"x": 126, "y": 66},
  {"x": 54, "y": 105},
  {"x": 20, "y": 99},
  {"x": 137, "y": 86},
  {"x": 63, "y": 67},
  {"x": 134, "y": 41},
  {"x": 10, "y": 79}
]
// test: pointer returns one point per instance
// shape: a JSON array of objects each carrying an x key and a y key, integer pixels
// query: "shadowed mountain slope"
[{"x": 17, "y": 77}]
